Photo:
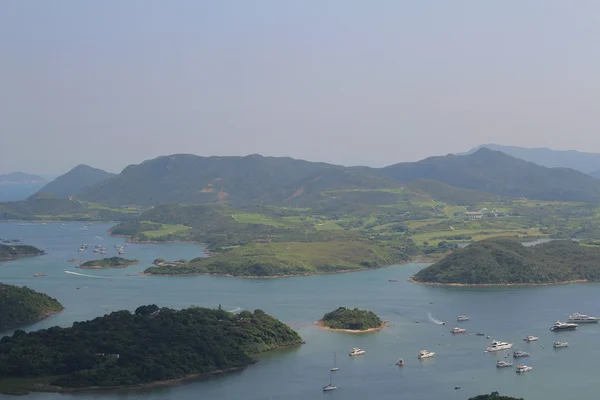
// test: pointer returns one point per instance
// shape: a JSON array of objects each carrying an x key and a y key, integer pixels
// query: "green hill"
[
  {"x": 21, "y": 306},
  {"x": 495, "y": 172},
  {"x": 8, "y": 252},
  {"x": 351, "y": 319},
  {"x": 288, "y": 258},
  {"x": 505, "y": 260},
  {"x": 254, "y": 179},
  {"x": 150, "y": 345},
  {"x": 112, "y": 262},
  {"x": 75, "y": 181}
]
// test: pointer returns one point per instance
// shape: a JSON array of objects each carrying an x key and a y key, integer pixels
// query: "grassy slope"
[{"x": 290, "y": 258}]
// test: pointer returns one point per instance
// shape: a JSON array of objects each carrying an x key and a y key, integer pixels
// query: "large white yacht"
[
  {"x": 582, "y": 318},
  {"x": 498, "y": 345},
  {"x": 563, "y": 326},
  {"x": 530, "y": 338},
  {"x": 357, "y": 352},
  {"x": 425, "y": 354},
  {"x": 458, "y": 330},
  {"x": 461, "y": 318}
]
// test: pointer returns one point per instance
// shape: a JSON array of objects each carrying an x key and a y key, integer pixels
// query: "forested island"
[
  {"x": 494, "y": 396},
  {"x": 505, "y": 261},
  {"x": 8, "y": 252},
  {"x": 150, "y": 346},
  {"x": 21, "y": 306},
  {"x": 112, "y": 262},
  {"x": 287, "y": 259},
  {"x": 351, "y": 320}
]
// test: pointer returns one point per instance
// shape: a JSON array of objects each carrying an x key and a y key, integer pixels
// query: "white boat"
[
  {"x": 498, "y": 345},
  {"x": 400, "y": 362},
  {"x": 334, "y": 368},
  {"x": 563, "y": 326},
  {"x": 530, "y": 338},
  {"x": 121, "y": 251},
  {"x": 458, "y": 330},
  {"x": 357, "y": 352},
  {"x": 425, "y": 354},
  {"x": 558, "y": 344},
  {"x": 462, "y": 318},
  {"x": 582, "y": 318},
  {"x": 519, "y": 353},
  {"x": 502, "y": 364},
  {"x": 523, "y": 368},
  {"x": 330, "y": 386}
]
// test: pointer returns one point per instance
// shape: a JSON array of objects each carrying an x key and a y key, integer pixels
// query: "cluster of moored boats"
[{"x": 101, "y": 249}]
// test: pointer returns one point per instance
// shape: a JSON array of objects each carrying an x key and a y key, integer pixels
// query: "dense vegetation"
[
  {"x": 289, "y": 258},
  {"x": 493, "y": 396},
  {"x": 112, "y": 262},
  {"x": 152, "y": 344},
  {"x": 8, "y": 252},
  {"x": 506, "y": 261},
  {"x": 76, "y": 180},
  {"x": 21, "y": 305},
  {"x": 351, "y": 319}
]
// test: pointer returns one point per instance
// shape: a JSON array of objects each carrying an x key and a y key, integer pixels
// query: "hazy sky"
[{"x": 111, "y": 83}]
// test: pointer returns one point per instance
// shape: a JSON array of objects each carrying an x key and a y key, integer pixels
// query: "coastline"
[
  {"x": 411, "y": 280},
  {"x": 321, "y": 325},
  {"x": 109, "y": 267}
]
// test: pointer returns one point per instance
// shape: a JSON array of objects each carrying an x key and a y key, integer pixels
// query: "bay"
[{"x": 506, "y": 314}]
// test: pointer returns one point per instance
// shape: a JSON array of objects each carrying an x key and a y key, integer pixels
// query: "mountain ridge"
[{"x": 73, "y": 182}]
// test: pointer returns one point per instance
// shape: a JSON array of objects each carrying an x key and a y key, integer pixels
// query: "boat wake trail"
[
  {"x": 87, "y": 275},
  {"x": 434, "y": 320},
  {"x": 232, "y": 309}
]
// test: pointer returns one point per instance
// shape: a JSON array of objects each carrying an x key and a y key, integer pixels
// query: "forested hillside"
[{"x": 21, "y": 306}]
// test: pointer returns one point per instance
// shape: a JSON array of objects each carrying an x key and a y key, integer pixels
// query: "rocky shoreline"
[
  {"x": 411, "y": 280},
  {"x": 321, "y": 325}
]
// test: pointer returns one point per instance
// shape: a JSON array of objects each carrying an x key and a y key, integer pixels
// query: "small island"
[
  {"x": 505, "y": 261},
  {"x": 21, "y": 306},
  {"x": 351, "y": 320},
  {"x": 112, "y": 262},
  {"x": 9, "y": 253},
  {"x": 274, "y": 260},
  {"x": 109, "y": 352}
]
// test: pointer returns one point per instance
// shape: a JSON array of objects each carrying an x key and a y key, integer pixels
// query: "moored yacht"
[
  {"x": 498, "y": 345},
  {"x": 458, "y": 330},
  {"x": 356, "y": 352},
  {"x": 519, "y": 353},
  {"x": 530, "y": 338},
  {"x": 502, "y": 364},
  {"x": 524, "y": 368},
  {"x": 558, "y": 344},
  {"x": 330, "y": 386},
  {"x": 425, "y": 354},
  {"x": 582, "y": 318},
  {"x": 462, "y": 318},
  {"x": 563, "y": 326}
]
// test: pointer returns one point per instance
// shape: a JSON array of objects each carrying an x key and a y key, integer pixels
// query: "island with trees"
[
  {"x": 493, "y": 396},
  {"x": 21, "y": 306},
  {"x": 351, "y": 320},
  {"x": 9, "y": 253},
  {"x": 112, "y": 262},
  {"x": 150, "y": 346},
  {"x": 506, "y": 261}
]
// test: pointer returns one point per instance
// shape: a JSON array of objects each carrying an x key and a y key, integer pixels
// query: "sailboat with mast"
[
  {"x": 329, "y": 387},
  {"x": 335, "y": 367}
]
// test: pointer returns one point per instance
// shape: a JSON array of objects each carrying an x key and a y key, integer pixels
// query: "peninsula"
[
  {"x": 112, "y": 262},
  {"x": 21, "y": 306},
  {"x": 351, "y": 320},
  {"x": 110, "y": 352},
  {"x": 8, "y": 253},
  {"x": 288, "y": 259},
  {"x": 505, "y": 261}
]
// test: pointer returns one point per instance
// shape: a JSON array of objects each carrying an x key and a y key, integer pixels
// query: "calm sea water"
[{"x": 504, "y": 313}]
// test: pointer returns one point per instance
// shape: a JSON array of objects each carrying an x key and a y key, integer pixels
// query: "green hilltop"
[
  {"x": 75, "y": 181},
  {"x": 351, "y": 319},
  {"x": 21, "y": 306},
  {"x": 111, "y": 262},
  {"x": 502, "y": 260}
]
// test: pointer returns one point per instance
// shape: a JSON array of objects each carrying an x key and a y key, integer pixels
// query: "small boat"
[
  {"x": 334, "y": 368},
  {"x": 81, "y": 249},
  {"x": 392, "y": 280},
  {"x": 96, "y": 250},
  {"x": 480, "y": 334},
  {"x": 503, "y": 364},
  {"x": 498, "y": 345},
  {"x": 563, "y": 326},
  {"x": 400, "y": 362},
  {"x": 458, "y": 330},
  {"x": 559, "y": 344},
  {"x": 330, "y": 386},
  {"x": 582, "y": 318},
  {"x": 102, "y": 252},
  {"x": 523, "y": 368},
  {"x": 121, "y": 251},
  {"x": 456, "y": 387},
  {"x": 530, "y": 338},
  {"x": 417, "y": 321},
  {"x": 519, "y": 353},
  {"x": 356, "y": 352},
  {"x": 425, "y": 354},
  {"x": 461, "y": 318}
]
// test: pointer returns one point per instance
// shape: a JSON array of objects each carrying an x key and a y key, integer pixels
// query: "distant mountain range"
[
  {"x": 75, "y": 181},
  {"x": 20, "y": 177},
  {"x": 254, "y": 179},
  {"x": 588, "y": 163}
]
